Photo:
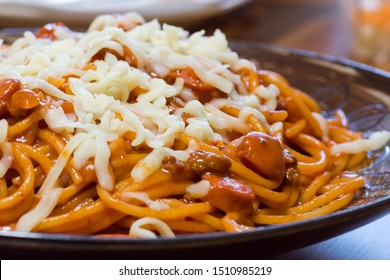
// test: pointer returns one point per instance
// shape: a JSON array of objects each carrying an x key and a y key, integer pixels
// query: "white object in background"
[{"x": 82, "y": 12}]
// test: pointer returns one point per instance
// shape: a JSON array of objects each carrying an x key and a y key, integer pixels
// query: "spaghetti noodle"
[{"x": 138, "y": 129}]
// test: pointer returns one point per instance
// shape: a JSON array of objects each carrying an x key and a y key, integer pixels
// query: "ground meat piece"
[
  {"x": 198, "y": 163},
  {"x": 172, "y": 165},
  {"x": 293, "y": 177},
  {"x": 179, "y": 170},
  {"x": 289, "y": 159},
  {"x": 201, "y": 162},
  {"x": 293, "y": 174}
]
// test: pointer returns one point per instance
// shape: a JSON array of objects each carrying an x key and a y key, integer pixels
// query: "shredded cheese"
[
  {"x": 199, "y": 189},
  {"x": 3, "y": 130},
  {"x": 376, "y": 141},
  {"x": 145, "y": 167},
  {"x": 44, "y": 207},
  {"x": 51, "y": 179},
  {"x": 323, "y": 125},
  {"x": 141, "y": 196},
  {"x": 6, "y": 159},
  {"x": 136, "y": 229}
]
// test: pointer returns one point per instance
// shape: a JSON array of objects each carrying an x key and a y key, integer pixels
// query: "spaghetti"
[{"x": 138, "y": 129}]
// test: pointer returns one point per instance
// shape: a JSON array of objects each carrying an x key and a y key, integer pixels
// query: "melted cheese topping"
[
  {"x": 376, "y": 141},
  {"x": 6, "y": 149},
  {"x": 323, "y": 125},
  {"x": 141, "y": 196},
  {"x": 3, "y": 130},
  {"x": 7, "y": 158},
  {"x": 44, "y": 207},
  {"x": 199, "y": 189},
  {"x": 145, "y": 167},
  {"x": 136, "y": 229}
]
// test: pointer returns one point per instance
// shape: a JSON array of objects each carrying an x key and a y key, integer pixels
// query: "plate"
[
  {"x": 82, "y": 12},
  {"x": 362, "y": 91}
]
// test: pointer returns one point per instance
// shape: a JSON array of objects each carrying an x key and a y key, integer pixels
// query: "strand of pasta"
[
  {"x": 310, "y": 191},
  {"x": 297, "y": 103},
  {"x": 158, "y": 177},
  {"x": 127, "y": 160},
  {"x": 167, "y": 189},
  {"x": 342, "y": 186},
  {"x": 208, "y": 219},
  {"x": 3, "y": 188},
  {"x": 27, "y": 171},
  {"x": 77, "y": 224},
  {"x": 340, "y": 162},
  {"x": 292, "y": 197},
  {"x": 342, "y": 134},
  {"x": 254, "y": 122},
  {"x": 13, "y": 213},
  {"x": 265, "y": 193},
  {"x": 69, "y": 218},
  {"x": 189, "y": 226},
  {"x": 355, "y": 160},
  {"x": 100, "y": 224},
  {"x": 71, "y": 190},
  {"x": 36, "y": 155},
  {"x": 165, "y": 214},
  {"x": 295, "y": 128},
  {"x": 309, "y": 101},
  {"x": 231, "y": 225},
  {"x": 333, "y": 206},
  {"x": 316, "y": 149},
  {"x": 274, "y": 116},
  {"x": 250, "y": 77},
  {"x": 59, "y": 145},
  {"x": 71, "y": 204},
  {"x": 26, "y": 123}
]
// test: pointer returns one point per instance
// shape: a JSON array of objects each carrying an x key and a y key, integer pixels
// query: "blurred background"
[{"x": 353, "y": 29}]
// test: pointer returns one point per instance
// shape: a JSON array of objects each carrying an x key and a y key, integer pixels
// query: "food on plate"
[{"x": 138, "y": 129}]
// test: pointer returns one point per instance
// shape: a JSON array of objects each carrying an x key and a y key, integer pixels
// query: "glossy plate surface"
[{"x": 361, "y": 91}]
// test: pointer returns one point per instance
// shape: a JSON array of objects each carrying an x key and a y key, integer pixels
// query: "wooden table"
[
  {"x": 317, "y": 25},
  {"x": 320, "y": 26}
]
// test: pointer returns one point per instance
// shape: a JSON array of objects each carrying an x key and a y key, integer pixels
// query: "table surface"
[
  {"x": 320, "y": 26},
  {"x": 370, "y": 242},
  {"x": 317, "y": 25}
]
